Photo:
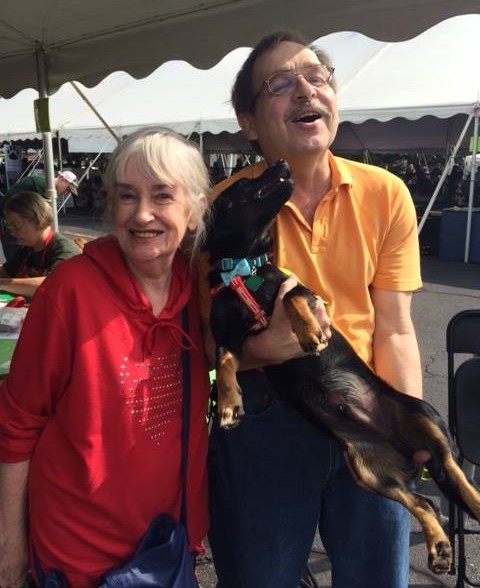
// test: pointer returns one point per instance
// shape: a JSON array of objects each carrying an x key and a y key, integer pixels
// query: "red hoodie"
[{"x": 94, "y": 399}]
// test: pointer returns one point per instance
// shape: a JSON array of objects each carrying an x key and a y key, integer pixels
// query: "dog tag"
[{"x": 253, "y": 283}]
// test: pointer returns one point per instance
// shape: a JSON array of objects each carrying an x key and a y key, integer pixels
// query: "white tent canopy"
[
  {"x": 176, "y": 93},
  {"x": 45, "y": 44},
  {"x": 88, "y": 40},
  {"x": 432, "y": 75}
]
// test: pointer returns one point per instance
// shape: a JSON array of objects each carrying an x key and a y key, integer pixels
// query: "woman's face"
[
  {"x": 150, "y": 218},
  {"x": 25, "y": 231}
]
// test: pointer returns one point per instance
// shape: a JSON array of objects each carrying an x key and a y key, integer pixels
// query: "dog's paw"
[
  {"x": 230, "y": 416},
  {"x": 440, "y": 560},
  {"x": 311, "y": 343}
]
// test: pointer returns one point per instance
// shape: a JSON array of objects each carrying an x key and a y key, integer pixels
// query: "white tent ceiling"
[
  {"x": 88, "y": 40},
  {"x": 46, "y": 43},
  {"x": 433, "y": 74}
]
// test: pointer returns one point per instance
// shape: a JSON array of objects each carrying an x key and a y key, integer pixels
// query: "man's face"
[
  {"x": 301, "y": 122},
  {"x": 62, "y": 186}
]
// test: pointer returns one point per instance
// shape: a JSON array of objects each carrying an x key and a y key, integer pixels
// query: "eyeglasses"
[
  {"x": 15, "y": 228},
  {"x": 284, "y": 82}
]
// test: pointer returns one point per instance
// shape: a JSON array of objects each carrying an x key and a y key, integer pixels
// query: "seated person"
[
  {"x": 66, "y": 182},
  {"x": 29, "y": 217}
]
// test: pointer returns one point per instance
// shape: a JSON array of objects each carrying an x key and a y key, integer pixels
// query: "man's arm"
[
  {"x": 395, "y": 348},
  {"x": 13, "y": 514},
  {"x": 275, "y": 344},
  {"x": 278, "y": 342}
]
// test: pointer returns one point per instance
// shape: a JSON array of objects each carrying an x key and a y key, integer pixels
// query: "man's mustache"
[{"x": 309, "y": 108}]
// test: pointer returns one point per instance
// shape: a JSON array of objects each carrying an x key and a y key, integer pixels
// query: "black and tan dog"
[{"x": 379, "y": 427}]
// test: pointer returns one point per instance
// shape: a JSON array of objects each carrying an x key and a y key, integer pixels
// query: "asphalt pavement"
[{"x": 449, "y": 287}]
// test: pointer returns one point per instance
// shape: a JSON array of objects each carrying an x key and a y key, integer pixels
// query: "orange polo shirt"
[{"x": 364, "y": 234}]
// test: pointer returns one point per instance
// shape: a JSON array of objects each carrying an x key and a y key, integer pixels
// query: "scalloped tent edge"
[{"x": 44, "y": 44}]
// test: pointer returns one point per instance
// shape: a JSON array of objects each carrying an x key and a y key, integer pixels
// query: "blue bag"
[
  {"x": 55, "y": 579},
  {"x": 162, "y": 559}
]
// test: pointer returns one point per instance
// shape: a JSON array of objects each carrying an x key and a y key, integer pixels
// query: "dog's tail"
[{"x": 452, "y": 481}]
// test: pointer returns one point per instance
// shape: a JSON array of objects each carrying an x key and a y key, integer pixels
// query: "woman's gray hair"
[
  {"x": 32, "y": 207},
  {"x": 164, "y": 155}
]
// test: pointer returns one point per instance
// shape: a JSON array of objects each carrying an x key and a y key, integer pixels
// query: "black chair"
[{"x": 463, "y": 351}]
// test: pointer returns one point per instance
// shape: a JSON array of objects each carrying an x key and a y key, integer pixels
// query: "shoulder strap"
[{"x": 185, "y": 416}]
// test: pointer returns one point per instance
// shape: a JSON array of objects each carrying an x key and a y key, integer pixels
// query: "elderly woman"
[
  {"x": 29, "y": 217},
  {"x": 91, "y": 412}
]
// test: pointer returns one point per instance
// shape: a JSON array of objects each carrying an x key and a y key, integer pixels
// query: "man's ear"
[{"x": 246, "y": 120}]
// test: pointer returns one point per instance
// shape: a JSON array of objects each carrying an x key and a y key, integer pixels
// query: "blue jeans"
[{"x": 277, "y": 476}]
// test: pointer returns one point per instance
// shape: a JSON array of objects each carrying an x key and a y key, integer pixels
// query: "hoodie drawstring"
[{"x": 176, "y": 331}]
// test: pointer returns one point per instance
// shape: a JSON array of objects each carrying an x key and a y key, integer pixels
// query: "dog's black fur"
[{"x": 378, "y": 427}]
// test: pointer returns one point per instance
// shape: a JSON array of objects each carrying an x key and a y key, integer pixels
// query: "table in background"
[
  {"x": 7, "y": 343},
  {"x": 453, "y": 228}
]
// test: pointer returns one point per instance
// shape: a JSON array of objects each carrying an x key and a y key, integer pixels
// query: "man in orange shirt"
[{"x": 349, "y": 233}]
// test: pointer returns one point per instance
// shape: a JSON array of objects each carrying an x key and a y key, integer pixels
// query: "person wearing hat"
[{"x": 66, "y": 182}]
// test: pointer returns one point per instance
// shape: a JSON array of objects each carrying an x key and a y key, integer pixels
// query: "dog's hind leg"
[
  {"x": 386, "y": 484},
  {"x": 230, "y": 405},
  {"x": 438, "y": 546},
  {"x": 451, "y": 479},
  {"x": 444, "y": 469},
  {"x": 299, "y": 304}
]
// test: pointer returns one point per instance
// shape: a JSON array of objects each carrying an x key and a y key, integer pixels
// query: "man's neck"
[
  {"x": 310, "y": 171},
  {"x": 312, "y": 181}
]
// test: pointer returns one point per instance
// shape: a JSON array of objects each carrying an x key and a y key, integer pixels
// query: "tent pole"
[
  {"x": 200, "y": 134},
  {"x": 32, "y": 165},
  {"x": 444, "y": 174},
  {"x": 472, "y": 183},
  {"x": 59, "y": 149},
  {"x": 95, "y": 112},
  {"x": 49, "y": 170}
]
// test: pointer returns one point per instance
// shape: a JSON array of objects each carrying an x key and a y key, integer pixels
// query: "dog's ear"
[
  {"x": 194, "y": 219},
  {"x": 246, "y": 120}
]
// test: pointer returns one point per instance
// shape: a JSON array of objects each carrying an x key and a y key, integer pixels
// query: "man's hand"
[{"x": 278, "y": 342}]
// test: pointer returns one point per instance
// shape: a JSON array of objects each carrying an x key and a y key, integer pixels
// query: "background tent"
[
  {"x": 88, "y": 40},
  {"x": 44, "y": 44},
  {"x": 176, "y": 93},
  {"x": 412, "y": 95}
]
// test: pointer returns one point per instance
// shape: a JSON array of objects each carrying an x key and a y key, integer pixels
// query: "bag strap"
[{"x": 185, "y": 417}]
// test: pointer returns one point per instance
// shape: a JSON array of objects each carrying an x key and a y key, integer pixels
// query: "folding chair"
[{"x": 463, "y": 337}]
